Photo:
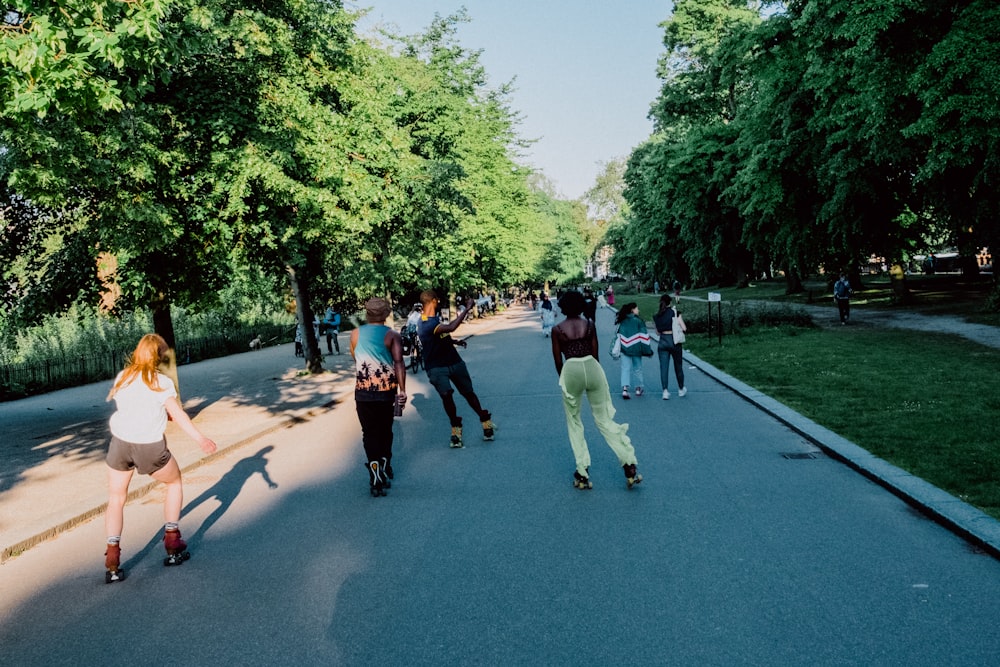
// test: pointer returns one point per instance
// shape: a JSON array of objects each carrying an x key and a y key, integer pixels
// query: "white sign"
[{"x": 714, "y": 296}]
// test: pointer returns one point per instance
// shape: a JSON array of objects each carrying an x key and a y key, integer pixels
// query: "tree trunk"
[
  {"x": 163, "y": 324},
  {"x": 793, "y": 281},
  {"x": 298, "y": 280}
]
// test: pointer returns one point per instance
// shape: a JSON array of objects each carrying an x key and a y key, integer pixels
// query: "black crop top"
[{"x": 576, "y": 348}]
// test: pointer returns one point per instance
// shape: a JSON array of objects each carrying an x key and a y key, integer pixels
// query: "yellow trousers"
[{"x": 581, "y": 376}]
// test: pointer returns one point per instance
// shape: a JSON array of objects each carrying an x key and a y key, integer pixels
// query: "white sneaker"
[
  {"x": 682, "y": 391},
  {"x": 666, "y": 395}
]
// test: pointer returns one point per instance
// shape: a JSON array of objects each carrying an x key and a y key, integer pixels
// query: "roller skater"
[
  {"x": 445, "y": 367},
  {"x": 379, "y": 390},
  {"x": 575, "y": 340},
  {"x": 144, "y": 397},
  {"x": 176, "y": 547},
  {"x": 632, "y": 477}
]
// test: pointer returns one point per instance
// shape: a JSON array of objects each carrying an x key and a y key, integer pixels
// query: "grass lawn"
[{"x": 927, "y": 404}]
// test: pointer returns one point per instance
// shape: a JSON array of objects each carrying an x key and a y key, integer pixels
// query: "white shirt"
[{"x": 141, "y": 416}]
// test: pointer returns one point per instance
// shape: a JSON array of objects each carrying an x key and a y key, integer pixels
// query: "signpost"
[{"x": 714, "y": 297}]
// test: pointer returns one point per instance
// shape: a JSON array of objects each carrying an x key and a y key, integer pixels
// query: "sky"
[{"x": 584, "y": 71}]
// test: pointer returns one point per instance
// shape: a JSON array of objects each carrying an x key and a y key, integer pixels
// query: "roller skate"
[
  {"x": 112, "y": 561},
  {"x": 376, "y": 483},
  {"x": 456, "y": 437},
  {"x": 632, "y": 477},
  {"x": 582, "y": 482},
  {"x": 488, "y": 428},
  {"x": 175, "y": 546},
  {"x": 386, "y": 472}
]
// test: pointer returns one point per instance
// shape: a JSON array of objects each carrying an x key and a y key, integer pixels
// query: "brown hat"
[{"x": 377, "y": 309}]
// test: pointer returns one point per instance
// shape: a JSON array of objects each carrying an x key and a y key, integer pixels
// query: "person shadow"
[{"x": 226, "y": 490}]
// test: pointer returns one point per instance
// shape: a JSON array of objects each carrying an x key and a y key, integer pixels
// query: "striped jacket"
[{"x": 635, "y": 340}]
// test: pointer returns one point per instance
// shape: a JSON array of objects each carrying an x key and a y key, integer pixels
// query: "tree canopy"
[
  {"x": 814, "y": 135},
  {"x": 195, "y": 142}
]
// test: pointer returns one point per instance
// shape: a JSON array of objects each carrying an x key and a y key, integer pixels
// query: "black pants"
[
  {"x": 376, "y": 429},
  {"x": 844, "y": 307}
]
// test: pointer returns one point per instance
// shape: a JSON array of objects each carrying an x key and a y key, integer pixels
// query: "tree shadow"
[{"x": 71, "y": 425}]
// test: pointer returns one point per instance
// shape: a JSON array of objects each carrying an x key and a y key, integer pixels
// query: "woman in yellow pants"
[{"x": 575, "y": 340}]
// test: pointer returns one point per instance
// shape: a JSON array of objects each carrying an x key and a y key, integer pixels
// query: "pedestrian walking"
[
  {"x": 842, "y": 293},
  {"x": 634, "y": 341},
  {"x": 668, "y": 349},
  {"x": 590, "y": 305},
  {"x": 548, "y": 315},
  {"x": 332, "y": 320},
  {"x": 609, "y": 294},
  {"x": 144, "y": 398},
  {"x": 575, "y": 340},
  {"x": 379, "y": 387},
  {"x": 445, "y": 367}
]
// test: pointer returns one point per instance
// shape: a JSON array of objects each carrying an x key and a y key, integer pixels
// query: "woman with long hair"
[
  {"x": 668, "y": 349},
  {"x": 575, "y": 339},
  {"x": 144, "y": 397},
  {"x": 634, "y": 345}
]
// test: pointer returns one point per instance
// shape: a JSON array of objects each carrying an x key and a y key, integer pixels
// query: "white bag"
[
  {"x": 616, "y": 347},
  {"x": 677, "y": 327}
]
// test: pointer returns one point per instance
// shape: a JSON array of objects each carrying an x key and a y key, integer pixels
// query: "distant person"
[
  {"x": 609, "y": 294},
  {"x": 667, "y": 349},
  {"x": 634, "y": 346},
  {"x": 413, "y": 319},
  {"x": 144, "y": 397},
  {"x": 590, "y": 305},
  {"x": 380, "y": 385},
  {"x": 332, "y": 320},
  {"x": 842, "y": 293},
  {"x": 548, "y": 313},
  {"x": 299, "y": 339},
  {"x": 575, "y": 339},
  {"x": 677, "y": 289},
  {"x": 445, "y": 367}
]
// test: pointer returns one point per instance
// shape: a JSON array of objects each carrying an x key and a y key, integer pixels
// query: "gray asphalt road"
[{"x": 728, "y": 553}]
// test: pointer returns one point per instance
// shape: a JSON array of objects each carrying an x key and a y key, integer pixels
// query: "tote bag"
[{"x": 677, "y": 327}]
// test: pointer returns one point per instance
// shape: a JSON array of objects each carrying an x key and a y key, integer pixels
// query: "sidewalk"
[{"x": 53, "y": 474}]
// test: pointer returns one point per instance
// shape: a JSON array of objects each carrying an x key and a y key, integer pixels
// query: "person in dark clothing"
[
  {"x": 842, "y": 293},
  {"x": 445, "y": 367}
]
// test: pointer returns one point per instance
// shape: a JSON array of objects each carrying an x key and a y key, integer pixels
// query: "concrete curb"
[{"x": 973, "y": 525}]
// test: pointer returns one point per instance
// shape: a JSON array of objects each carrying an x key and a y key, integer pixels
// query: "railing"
[{"x": 21, "y": 380}]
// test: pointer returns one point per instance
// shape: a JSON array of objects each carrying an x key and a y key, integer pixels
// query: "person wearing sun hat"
[{"x": 380, "y": 384}]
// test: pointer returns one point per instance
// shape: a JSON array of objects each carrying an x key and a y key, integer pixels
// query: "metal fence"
[{"x": 21, "y": 380}]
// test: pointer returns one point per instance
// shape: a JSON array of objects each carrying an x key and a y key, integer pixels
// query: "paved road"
[{"x": 729, "y": 553}]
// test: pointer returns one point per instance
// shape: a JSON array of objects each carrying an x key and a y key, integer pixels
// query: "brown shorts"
[{"x": 147, "y": 458}]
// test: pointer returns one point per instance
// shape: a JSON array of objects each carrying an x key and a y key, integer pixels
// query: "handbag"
[
  {"x": 677, "y": 328},
  {"x": 616, "y": 347}
]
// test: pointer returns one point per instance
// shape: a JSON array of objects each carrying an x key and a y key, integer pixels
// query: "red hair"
[{"x": 145, "y": 360}]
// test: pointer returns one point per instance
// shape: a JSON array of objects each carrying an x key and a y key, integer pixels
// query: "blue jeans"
[{"x": 631, "y": 370}]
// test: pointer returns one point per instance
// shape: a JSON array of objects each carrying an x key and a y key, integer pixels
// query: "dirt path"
[{"x": 979, "y": 333}]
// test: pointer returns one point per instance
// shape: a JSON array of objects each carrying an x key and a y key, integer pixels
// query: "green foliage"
[
  {"x": 213, "y": 146},
  {"x": 815, "y": 137}
]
